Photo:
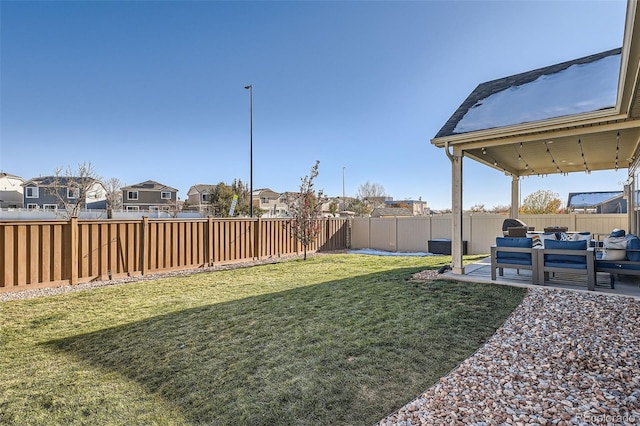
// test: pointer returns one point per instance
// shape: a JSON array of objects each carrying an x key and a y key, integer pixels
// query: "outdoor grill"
[{"x": 514, "y": 228}]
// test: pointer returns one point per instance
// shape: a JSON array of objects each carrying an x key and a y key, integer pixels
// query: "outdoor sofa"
[
  {"x": 545, "y": 254},
  {"x": 548, "y": 253}
]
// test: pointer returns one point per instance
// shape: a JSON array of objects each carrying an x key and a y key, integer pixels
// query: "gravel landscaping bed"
[{"x": 562, "y": 358}]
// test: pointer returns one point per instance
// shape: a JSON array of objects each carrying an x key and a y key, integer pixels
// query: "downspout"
[{"x": 446, "y": 151}]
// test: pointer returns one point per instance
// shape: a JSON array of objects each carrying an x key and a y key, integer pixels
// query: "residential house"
[
  {"x": 272, "y": 203},
  {"x": 199, "y": 197},
  {"x": 336, "y": 207},
  {"x": 57, "y": 192},
  {"x": 149, "y": 196},
  {"x": 417, "y": 207},
  {"x": 11, "y": 191},
  {"x": 597, "y": 202}
]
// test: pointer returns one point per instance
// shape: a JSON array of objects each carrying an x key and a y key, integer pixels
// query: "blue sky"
[{"x": 155, "y": 90}]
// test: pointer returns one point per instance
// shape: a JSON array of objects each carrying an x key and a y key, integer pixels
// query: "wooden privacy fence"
[{"x": 36, "y": 254}]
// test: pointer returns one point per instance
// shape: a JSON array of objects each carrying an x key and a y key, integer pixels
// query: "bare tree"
[
  {"x": 72, "y": 188},
  {"x": 369, "y": 196},
  {"x": 305, "y": 207},
  {"x": 172, "y": 207},
  {"x": 478, "y": 208},
  {"x": 114, "y": 195},
  {"x": 370, "y": 190},
  {"x": 500, "y": 209}
]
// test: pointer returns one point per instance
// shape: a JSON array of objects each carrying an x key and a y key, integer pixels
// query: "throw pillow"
[
  {"x": 619, "y": 243},
  {"x": 613, "y": 254},
  {"x": 617, "y": 233},
  {"x": 615, "y": 248},
  {"x": 582, "y": 236},
  {"x": 549, "y": 236},
  {"x": 536, "y": 241}
]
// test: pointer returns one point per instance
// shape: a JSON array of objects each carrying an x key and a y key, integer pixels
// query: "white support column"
[
  {"x": 457, "y": 266},
  {"x": 515, "y": 196}
]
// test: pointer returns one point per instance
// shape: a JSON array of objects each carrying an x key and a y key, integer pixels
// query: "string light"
[
  {"x": 617, "y": 149},
  {"x": 584, "y": 162},
  {"x": 553, "y": 160},
  {"x": 490, "y": 159},
  {"x": 526, "y": 165}
]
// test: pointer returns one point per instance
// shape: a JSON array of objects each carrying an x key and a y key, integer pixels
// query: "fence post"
[
  {"x": 73, "y": 257},
  {"x": 143, "y": 244},
  {"x": 327, "y": 238},
  {"x": 258, "y": 238},
  {"x": 470, "y": 236},
  {"x": 209, "y": 241},
  {"x": 396, "y": 242}
]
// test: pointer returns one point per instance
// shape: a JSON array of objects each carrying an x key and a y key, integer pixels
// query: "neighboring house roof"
[
  {"x": 43, "y": 181},
  {"x": 150, "y": 185},
  {"x": 9, "y": 175},
  {"x": 200, "y": 188},
  {"x": 582, "y": 85},
  {"x": 391, "y": 211},
  {"x": 590, "y": 199},
  {"x": 265, "y": 192}
]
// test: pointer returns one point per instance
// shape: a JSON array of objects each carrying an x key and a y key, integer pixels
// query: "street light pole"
[
  {"x": 343, "y": 167},
  {"x": 250, "y": 89}
]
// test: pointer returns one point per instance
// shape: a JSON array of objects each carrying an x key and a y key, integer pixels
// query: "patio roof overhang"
[
  {"x": 581, "y": 146},
  {"x": 606, "y": 139}
]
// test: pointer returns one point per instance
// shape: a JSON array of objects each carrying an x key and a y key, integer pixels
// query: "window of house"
[
  {"x": 73, "y": 192},
  {"x": 206, "y": 197},
  {"x": 31, "y": 192},
  {"x": 133, "y": 208},
  {"x": 52, "y": 207},
  {"x": 32, "y": 206},
  {"x": 132, "y": 195},
  {"x": 165, "y": 195},
  {"x": 153, "y": 208}
]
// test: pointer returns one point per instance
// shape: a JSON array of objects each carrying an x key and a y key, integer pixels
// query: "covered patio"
[
  {"x": 480, "y": 272},
  {"x": 578, "y": 116}
]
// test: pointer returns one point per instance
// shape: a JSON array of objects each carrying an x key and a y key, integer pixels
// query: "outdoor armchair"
[
  {"x": 574, "y": 257},
  {"x": 514, "y": 253}
]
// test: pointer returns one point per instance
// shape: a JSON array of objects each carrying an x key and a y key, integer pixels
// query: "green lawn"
[{"x": 336, "y": 339}]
